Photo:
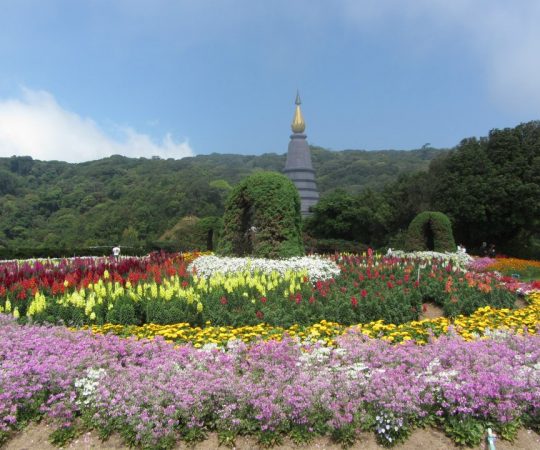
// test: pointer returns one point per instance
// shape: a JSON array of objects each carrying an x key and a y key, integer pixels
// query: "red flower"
[
  {"x": 363, "y": 293},
  {"x": 223, "y": 300},
  {"x": 311, "y": 300},
  {"x": 354, "y": 302},
  {"x": 260, "y": 315},
  {"x": 184, "y": 284},
  {"x": 390, "y": 285},
  {"x": 263, "y": 300}
]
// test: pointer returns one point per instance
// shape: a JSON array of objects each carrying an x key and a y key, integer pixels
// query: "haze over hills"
[{"x": 59, "y": 204}]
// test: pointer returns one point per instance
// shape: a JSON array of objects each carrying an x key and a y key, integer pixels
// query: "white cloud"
[
  {"x": 37, "y": 126},
  {"x": 503, "y": 36}
]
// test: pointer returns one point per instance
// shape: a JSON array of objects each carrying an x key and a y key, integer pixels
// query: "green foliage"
[
  {"x": 464, "y": 430},
  {"x": 345, "y": 435},
  {"x": 185, "y": 235},
  {"x": 211, "y": 228},
  {"x": 430, "y": 231},
  {"x": 509, "y": 430},
  {"x": 301, "y": 434},
  {"x": 123, "y": 312},
  {"x": 334, "y": 216},
  {"x": 50, "y": 206},
  {"x": 227, "y": 438},
  {"x": 531, "y": 419},
  {"x": 330, "y": 246},
  {"x": 169, "y": 312},
  {"x": 358, "y": 170},
  {"x": 192, "y": 435},
  {"x": 262, "y": 218},
  {"x": 361, "y": 218},
  {"x": 192, "y": 233},
  {"x": 270, "y": 438},
  {"x": 130, "y": 237},
  {"x": 62, "y": 436},
  {"x": 467, "y": 301},
  {"x": 490, "y": 188}
]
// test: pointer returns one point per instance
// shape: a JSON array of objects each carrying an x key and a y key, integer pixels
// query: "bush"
[
  {"x": 328, "y": 246},
  {"x": 262, "y": 218},
  {"x": 192, "y": 233},
  {"x": 430, "y": 230}
]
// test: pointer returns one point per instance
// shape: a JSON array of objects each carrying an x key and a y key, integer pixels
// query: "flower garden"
[{"x": 172, "y": 346}]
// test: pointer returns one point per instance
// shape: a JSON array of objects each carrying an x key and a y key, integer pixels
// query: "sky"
[{"x": 82, "y": 80}]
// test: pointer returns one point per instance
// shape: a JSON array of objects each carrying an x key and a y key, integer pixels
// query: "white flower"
[
  {"x": 87, "y": 386},
  {"x": 317, "y": 268},
  {"x": 459, "y": 260}
]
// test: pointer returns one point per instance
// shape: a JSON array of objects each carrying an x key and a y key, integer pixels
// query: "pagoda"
[{"x": 298, "y": 166}]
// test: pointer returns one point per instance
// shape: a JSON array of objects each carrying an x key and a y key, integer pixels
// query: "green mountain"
[{"x": 52, "y": 204}]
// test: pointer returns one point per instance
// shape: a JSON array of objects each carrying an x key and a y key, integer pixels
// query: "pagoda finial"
[{"x": 298, "y": 125}]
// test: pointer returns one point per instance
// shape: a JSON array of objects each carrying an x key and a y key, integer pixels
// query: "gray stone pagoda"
[{"x": 298, "y": 166}]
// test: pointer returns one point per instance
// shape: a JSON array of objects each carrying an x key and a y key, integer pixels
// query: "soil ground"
[{"x": 35, "y": 437}]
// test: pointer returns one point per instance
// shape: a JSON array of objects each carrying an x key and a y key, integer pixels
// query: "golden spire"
[{"x": 298, "y": 125}]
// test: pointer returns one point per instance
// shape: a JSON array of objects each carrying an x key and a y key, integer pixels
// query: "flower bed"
[
  {"x": 154, "y": 393},
  {"x": 483, "y": 322},
  {"x": 162, "y": 290},
  {"x": 256, "y": 357}
]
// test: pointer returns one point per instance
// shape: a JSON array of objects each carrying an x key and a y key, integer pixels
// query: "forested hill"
[{"x": 56, "y": 204}]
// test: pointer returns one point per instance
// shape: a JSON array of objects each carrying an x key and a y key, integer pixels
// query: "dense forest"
[
  {"x": 55, "y": 205},
  {"x": 489, "y": 187}
]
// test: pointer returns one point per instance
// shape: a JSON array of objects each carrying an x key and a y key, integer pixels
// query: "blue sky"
[{"x": 81, "y": 80}]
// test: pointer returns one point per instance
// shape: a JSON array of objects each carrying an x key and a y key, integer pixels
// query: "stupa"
[{"x": 298, "y": 166}]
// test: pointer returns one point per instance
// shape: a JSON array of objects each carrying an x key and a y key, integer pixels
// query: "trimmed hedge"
[
  {"x": 262, "y": 218},
  {"x": 430, "y": 230},
  {"x": 331, "y": 246}
]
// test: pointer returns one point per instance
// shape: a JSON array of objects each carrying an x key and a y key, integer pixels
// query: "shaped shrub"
[
  {"x": 430, "y": 230},
  {"x": 262, "y": 218}
]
